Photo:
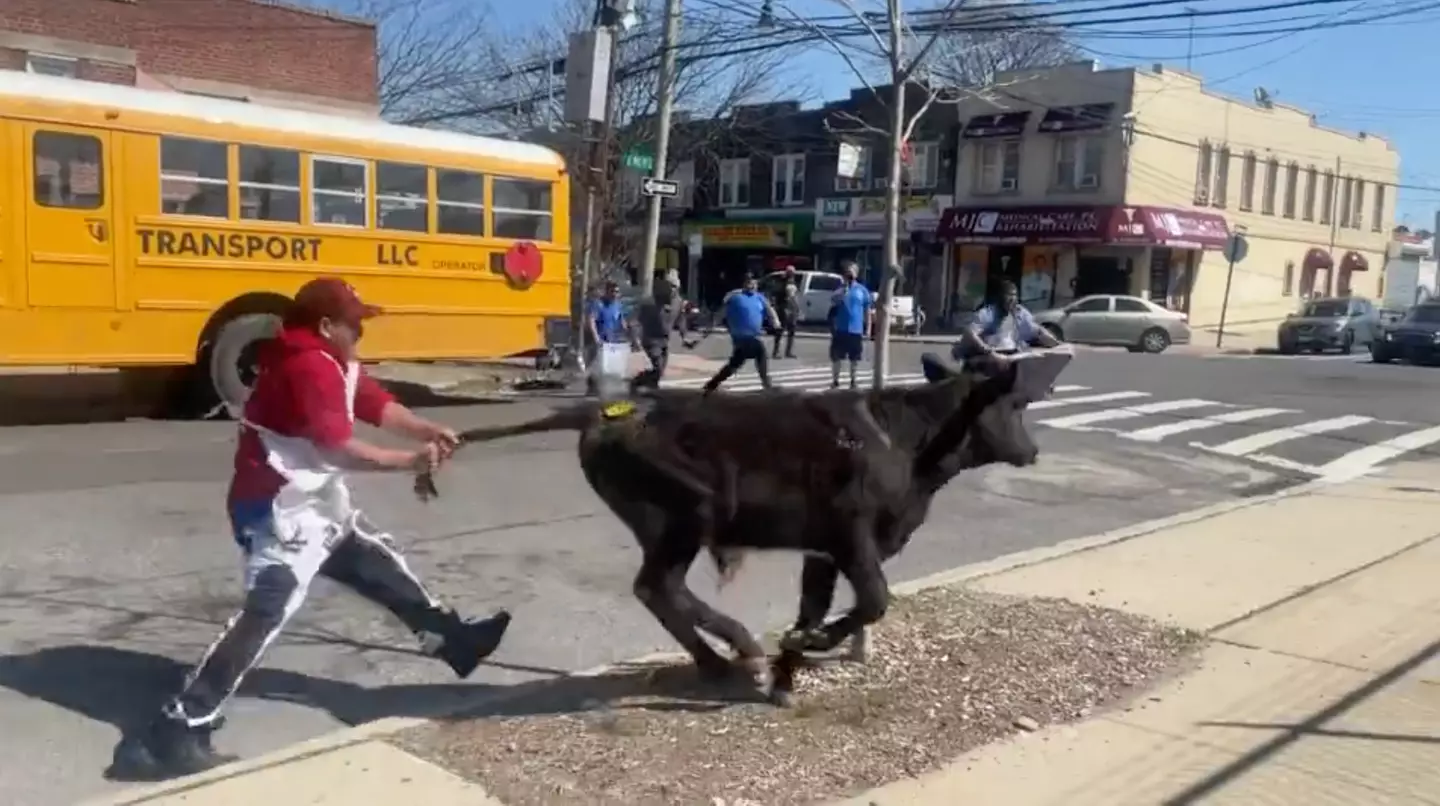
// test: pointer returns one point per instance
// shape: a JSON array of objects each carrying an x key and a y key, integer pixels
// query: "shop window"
[
  {"x": 69, "y": 171},
  {"x": 194, "y": 177},
  {"x": 459, "y": 202},
  {"x": 269, "y": 184},
  {"x": 522, "y": 209},
  {"x": 402, "y": 197},
  {"x": 338, "y": 187}
]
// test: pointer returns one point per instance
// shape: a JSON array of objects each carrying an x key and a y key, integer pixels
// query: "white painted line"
[
  {"x": 1101, "y": 398},
  {"x": 1362, "y": 460},
  {"x": 1264, "y": 439},
  {"x": 1159, "y": 432},
  {"x": 1071, "y": 388},
  {"x": 1283, "y": 463},
  {"x": 1084, "y": 422}
]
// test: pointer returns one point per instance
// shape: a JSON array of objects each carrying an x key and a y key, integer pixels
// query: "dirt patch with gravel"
[{"x": 949, "y": 670}]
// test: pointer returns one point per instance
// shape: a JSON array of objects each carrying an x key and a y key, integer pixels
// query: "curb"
[{"x": 357, "y": 734}]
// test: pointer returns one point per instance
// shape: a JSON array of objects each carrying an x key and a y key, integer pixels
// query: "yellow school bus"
[{"x": 156, "y": 229}]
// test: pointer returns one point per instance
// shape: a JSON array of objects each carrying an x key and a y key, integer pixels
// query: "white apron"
[{"x": 312, "y": 511}]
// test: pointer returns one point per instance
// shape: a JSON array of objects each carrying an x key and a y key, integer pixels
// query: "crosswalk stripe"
[
  {"x": 1070, "y": 401},
  {"x": 1359, "y": 461},
  {"x": 1255, "y": 442},
  {"x": 1159, "y": 432},
  {"x": 1087, "y": 421}
]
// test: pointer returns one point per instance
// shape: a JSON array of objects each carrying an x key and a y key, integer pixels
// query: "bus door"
[{"x": 69, "y": 220}]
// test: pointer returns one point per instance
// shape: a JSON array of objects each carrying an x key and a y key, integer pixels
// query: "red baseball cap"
[{"x": 329, "y": 298}]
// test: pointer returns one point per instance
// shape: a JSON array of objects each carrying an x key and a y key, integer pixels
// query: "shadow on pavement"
[{"x": 124, "y": 688}]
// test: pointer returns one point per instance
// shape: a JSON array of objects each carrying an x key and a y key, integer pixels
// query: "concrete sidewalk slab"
[{"x": 367, "y": 774}]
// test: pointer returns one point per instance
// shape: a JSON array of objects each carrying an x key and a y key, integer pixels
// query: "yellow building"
[{"x": 1074, "y": 181}]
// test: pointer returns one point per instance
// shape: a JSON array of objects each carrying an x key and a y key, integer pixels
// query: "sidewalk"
[{"x": 1321, "y": 684}]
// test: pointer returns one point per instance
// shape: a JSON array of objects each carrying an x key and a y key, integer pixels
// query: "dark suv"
[
  {"x": 1416, "y": 338},
  {"x": 1335, "y": 323}
]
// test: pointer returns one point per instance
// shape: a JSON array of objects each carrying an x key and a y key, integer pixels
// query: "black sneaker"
[
  {"x": 166, "y": 748},
  {"x": 466, "y": 643}
]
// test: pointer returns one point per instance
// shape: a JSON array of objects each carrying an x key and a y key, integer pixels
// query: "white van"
[{"x": 817, "y": 289}]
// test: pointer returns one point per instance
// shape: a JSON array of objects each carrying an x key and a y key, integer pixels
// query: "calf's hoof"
[
  {"x": 860, "y": 646},
  {"x": 758, "y": 670}
]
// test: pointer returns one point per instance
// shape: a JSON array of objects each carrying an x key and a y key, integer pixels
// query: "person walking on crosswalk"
[
  {"x": 852, "y": 311},
  {"x": 747, "y": 315},
  {"x": 786, "y": 302}
]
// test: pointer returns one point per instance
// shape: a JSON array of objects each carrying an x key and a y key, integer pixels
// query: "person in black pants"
[
  {"x": 747, "y": 314},
  {"x": 787, "y": 305}
]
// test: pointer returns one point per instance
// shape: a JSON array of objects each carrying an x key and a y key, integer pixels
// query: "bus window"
[
  {"x": 522, "y": 209},
  {"x": 401, "y": 197},
  {"x": 338, "y": 189},
  {"x": 68, "y": 171},
  {"x": 460, "y": 202},
  {"x": 194, "y": 177},
  {"x": 269, "y": 184}
]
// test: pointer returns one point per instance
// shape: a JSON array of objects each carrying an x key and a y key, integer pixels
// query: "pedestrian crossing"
[{"x": 1334, "y": 448}]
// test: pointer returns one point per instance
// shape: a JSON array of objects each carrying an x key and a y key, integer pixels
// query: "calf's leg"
[
  {"x": 817, "y": 595},
  {"x": 660, "y": 586}
]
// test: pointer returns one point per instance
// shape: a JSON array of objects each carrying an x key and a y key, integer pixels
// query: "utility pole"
[
  {"x": 666, "y": 88},
  {"x": 1334, "y": 203},
  {"x": 1190, "y": 39}
]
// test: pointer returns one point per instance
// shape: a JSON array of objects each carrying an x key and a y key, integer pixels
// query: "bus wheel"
[{"x": 234, "y": 354}]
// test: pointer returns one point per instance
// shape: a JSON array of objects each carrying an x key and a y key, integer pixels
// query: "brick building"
[{"x": 265, "y": 51}]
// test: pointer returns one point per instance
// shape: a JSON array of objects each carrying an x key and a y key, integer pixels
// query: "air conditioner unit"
[
  {"x": 1009, "y": 183},
  {"x": 1089, "y": 181}
]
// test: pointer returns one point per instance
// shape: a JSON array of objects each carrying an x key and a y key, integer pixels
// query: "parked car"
[
  {"x": 817, "y": 289},
  {"x": 1416, "y": 338},
  {"x": 1131, "y": 322},
  {"x": 1332, "y": 323}
]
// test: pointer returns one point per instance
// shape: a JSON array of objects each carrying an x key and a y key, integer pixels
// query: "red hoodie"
[{"x": 298, "y": 393}]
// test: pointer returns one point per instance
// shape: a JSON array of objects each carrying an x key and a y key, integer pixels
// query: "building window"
[
  {"x": 923, "y": 169},
  {"x": 788, "y": 178},
  {"x": 861, "y": 180},
  {"x": 269, "y": 184},
  {"x": 459, "y": 202},
  {"x": 337, "y": 191},
  {"x": 1222, "y": 177},
  {"x": 1202, "y": 173},
  {"x": 735, "y": 183},
  {"x": 684, "y": 176},
  {"x": 69, "y": 171},
  {"x": 1327, "y": 200},
  {"x": 402, "y": 197},
  {"x": 48, "y": 64},
  {"x": 1292, "y": 186},
  {"x": 194, "y": 177},
  {"x": 1347, "y": 190},
  {"x": 521, "y": 208},
  {"x": 1377, "y": 217},
  {"x": 1078, "y": 162},
  {"x": 1247, "y": 183},
  {"x": 1357, "y": 212},
  {"x": 1272, "y": 178},
  {"x": 1287, "y": 287},
  {"x": 998, "y": 167},
  {"x": 1310, "y": 180}
]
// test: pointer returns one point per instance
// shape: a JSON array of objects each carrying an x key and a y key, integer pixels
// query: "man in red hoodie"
[{"x": 292, "y": 516}]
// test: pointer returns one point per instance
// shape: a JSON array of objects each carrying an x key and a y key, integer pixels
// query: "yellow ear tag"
[{"x": 622, "y": 408}]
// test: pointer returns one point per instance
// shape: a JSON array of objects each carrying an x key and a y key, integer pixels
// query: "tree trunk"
[{"x": 891, "y": 245}]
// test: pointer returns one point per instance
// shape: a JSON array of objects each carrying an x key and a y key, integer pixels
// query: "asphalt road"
[{"x": 116, "y": 570}]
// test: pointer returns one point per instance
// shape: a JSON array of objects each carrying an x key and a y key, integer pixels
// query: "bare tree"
[
  {"x": 429, "y": 67},
  {"x": 1014, "y": 41}
]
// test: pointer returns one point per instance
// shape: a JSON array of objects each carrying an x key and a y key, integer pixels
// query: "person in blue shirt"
[
  {"x": 747, "y": 315},
  {"x": 851, "y": 313},
  {"x": 605, "y": 323}
]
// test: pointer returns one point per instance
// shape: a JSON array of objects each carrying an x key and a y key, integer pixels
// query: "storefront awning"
[
  {"x": 1140, "y": 226},
  {"x": 1085, "y": 117},
  {"x": 1354, "y": 261},
  {"x": 1317, "y": 258},
  {"x": 1005, "y": 124}
]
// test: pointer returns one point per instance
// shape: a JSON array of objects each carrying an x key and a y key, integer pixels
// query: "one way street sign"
[{"x": 664, "y": 188}]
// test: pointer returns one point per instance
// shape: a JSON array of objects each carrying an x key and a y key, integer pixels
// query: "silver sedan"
[{"x": 1122, "y": 321}]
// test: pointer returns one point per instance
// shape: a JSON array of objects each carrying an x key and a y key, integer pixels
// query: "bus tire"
[{"x": 232, "y": 356}]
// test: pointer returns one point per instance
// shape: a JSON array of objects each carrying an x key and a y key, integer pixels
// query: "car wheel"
[
  {"x": 1347, "y": 344},
  {"x": 1154, "y": 340},
  {"x": 1054, "y": 330},
  {"x": 1379, "y": 356},
  {"x": 1287, "y": 348},
  {"x": 233, "y": 356}
]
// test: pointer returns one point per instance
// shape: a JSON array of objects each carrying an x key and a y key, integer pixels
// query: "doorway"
[{"x": 1100, "y": 275}]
